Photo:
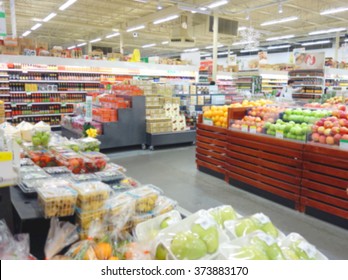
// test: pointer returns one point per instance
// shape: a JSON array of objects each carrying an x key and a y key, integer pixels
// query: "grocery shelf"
[
  {"x": 4, "y": 82},
  {"x": 3, "y": 76},
  {"x": 4, "y": 88},
  {"x": 53, "y": 81},
  {"x": 68, "y": 91},
  {"x": 35, "y": 103},
  {"x": 306, "y": 77},
  {"x": 309, "y": 85},
  {"x": 41, "y": 115}
]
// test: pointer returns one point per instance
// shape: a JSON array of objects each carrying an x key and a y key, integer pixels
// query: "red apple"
[
  {"x": 327, "y": 131},
  {"x": 332, "y": 119},
  {"x": 343, "y": 115},
  {"x": 341, "y": 122},
  {"x": 346, "y": 123},
  {"x": 337, "y": 138},
  {"x": 335, "y": 130},
  {"x": 322, "y": 139},
  {"x": 328, "y": 124},
  {"x": 320, "y": 123},
  {"x": 321, "y": 129},
  {"x": 342, "y": 107},
  {"x": 315, "y": 137},
  {"x": 330, "y": 140},
  {"x": 315, "y": 128}
]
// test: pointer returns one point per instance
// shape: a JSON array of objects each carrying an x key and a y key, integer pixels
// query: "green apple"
[
  {"x": 251, "y": 253},
  {"x": 298, "y": 246},
  {"x": 244, "y": 227},
  {"x": 188, "y": 246},
  {"x": 210, "y": 236},
  {"x": 223, "y": 214},
  {"x": 289, "y": 254},
  {"x": 267, "y": 125},
  {"x": 161, "y": 252},
  {"x": 274, "y": 252},
  {"x": 288, "y": 111},
  {"x": 270, "y": 229}
]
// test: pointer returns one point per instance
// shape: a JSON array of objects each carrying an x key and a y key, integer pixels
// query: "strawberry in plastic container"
[{"x": 94, "y": 161}]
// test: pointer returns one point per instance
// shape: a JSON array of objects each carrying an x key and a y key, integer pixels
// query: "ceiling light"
[
  {"x": 280, "y": 8},
  {"x": 346, "y": 40},
  {"x": 279, "y": 21},
  {"x": 334, "y": 11},
  {"x": 82, "y": 44},
  {"x": 67, "y": 4},
  {"x": 165, "y": 19},
  {"x": 36, "y": 26},
  {"x": 251, "y": 50},
  {"x": 327, "y": 31},
  {"x": 112, "y": 35},
  {"x": 159, "y": 6},
  {"x": 165, "y": 42},
  {"x": 242, "y": 28},
  {"x": 279, "y": 47},
  {"x": 203, "y": 8},
  {"x": 37, "y": 19},
  {"x": 95, "y": 40},
  {"x": 224, "y": 53},
  {"x": 210, "y": 47},
  {"x": 49, "y": 17},
  {"x": 217, "y": 4},
  {"x": 148, "y": 46},
  {"x": 26, "y": 33},
  {"x": 242, "y": 43},
  {"x": 206, "y": 55},
  {"x": 193, "y": 12},
  {"x": 316, "y": 43},
  {"x": 72, "y": 47},
  {"x": 280, "y": 38},
  {"x": 135, "y": 28},
  {"x": 192, "y": 50}
]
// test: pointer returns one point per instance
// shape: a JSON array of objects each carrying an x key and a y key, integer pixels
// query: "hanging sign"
[{"x": 2, "y": 22}]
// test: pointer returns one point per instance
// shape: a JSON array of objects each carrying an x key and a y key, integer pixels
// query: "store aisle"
[{"x": 174, "y": 171}]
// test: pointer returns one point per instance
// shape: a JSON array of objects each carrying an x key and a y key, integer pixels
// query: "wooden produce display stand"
[{"x": 308, "y": 177}]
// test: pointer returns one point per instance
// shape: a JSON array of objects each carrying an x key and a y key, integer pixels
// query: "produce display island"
[{"x": 308, "y": 177}]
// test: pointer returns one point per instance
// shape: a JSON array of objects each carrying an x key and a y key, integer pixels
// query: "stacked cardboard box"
[
  {"x": 158, "y": 125},
  {"x": 2, "y": 112}
]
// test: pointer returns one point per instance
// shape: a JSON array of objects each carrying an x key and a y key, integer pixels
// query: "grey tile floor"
[{"x": 174, "y": 170}]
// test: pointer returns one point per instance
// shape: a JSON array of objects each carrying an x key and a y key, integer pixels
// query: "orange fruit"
[{"x": 103, "y": 251}]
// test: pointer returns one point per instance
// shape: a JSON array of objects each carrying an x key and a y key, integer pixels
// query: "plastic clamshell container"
[
  {"x": 26, "y": 162},
  {"x": 220, "y": 217},
  {"x": 114, "y": 166},
  {"x": 295, "y": 239},
  {"x": 29, "y": 186},
  {"x": 166, "y": 236},
  {"x": 73, "y": 161},
  {"x": 230, "y": 226},
  {"x": 94, "y": 161},
  {"x": 91, "y": 195},
  {"x": 145, "y": 198},
  {"x": 233, "y": 250},
  {"x": 163, "y": 205},
  {"x": 34, "y": 175},
  {"x": 30, "y": 169},
  {"x": 57, "y": 171},
  {"x": 57, "y": 150},
  {"x": 57, "y": 201},
  {"x": 42, "y": 158},
  {"x": 79, "y": 178},
  {"x": 54, "y": 182},
  {"x": 110, "y": 175},
  {"x": 85, "y": 218},
  {"x": 148, "y": 230}
]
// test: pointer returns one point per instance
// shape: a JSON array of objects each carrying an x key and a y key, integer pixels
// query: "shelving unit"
[
  {"x": 311, "y": 81},
  {"x": 273, "y": 81}
]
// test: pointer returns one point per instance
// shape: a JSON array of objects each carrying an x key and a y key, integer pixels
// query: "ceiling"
[{"x": 86, "y": 20}]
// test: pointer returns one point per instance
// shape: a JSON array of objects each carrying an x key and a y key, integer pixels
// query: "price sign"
[
  {"x": 88, "y": 117},
  {"x": 245, "y": 128},
  {"x": 344, "y": 144},
  {"x": 28, "y": 93},
  {"x": 280, "y": 134},
  {"x": 252, "y": 129},
  {"x": 5, "y": 156},
  {"x": 208, "y": 121}
]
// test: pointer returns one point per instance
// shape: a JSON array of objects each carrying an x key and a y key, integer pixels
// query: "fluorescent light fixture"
[
  {"x": 346, "y": 40},
  {"x": 203, "y": 8},
  {"x": 193, "y": 12},
  {"x": 282, "y": 20},
  {"x": 135, "y": 28},
  {"x": 334, "y": 11},
  {"x": 49, "y": 17},
  {"x": 26, "y": 33},
  {"x": 165, "y": 42},
  {"x": 210, "y": 47},
  {"x": 280, "y": 8},
  {"x": 72, "y": 47},
  {"x": 206, "y": 55},
  {"x": 242, "y": 43},
  {"x": 37, "y": 19},
  {"x": 278, "y": 47},
  {"x": 192, "y": 50},
  {"x": 112, "y": 35},
  {"x": 217, "y": 4},
  {"x": 165, "y": 19},
  {"x": 280, "y": 38},
  {"x": 67, "y": 4},
  {"x": 95, "y": 40},
  {"x": 224, "y": 53},
  {"x": 82, "y": 44},
  {"x": 316, "y": 43},
  {"x": 242, "y": 28},
  {"x": 148, "y": 46},
  {"x": 36, "y": 26},
  {"x": 327, "y": 31},
  {"x": 251, "y": 50}
]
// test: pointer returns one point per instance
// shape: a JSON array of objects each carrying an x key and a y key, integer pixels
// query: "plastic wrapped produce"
[
  {"x": 57, "y": 201},
  {"x": 72, "y": 144},
  {"x": 110, "y": 176},
  {"x": 13, "y": 247},
  {"x": 91, "y": 195},
  {"x": 42, "y": 158},
  {"x": 85, "y": 218},
  {"x": 26, "y": 130},
  {"x": 26, "y": 162},
  {"x": 73, "y": 161},
  {"x": 124, "y": 185},
  {"x": 113, "y": 166},
  {"x": 255, "y": 246},
  {"x": 57, "y": 171},
  {"x": 9, "y": 131},
  {"x": 145, "y": 198},
  {"x": 244, "y": 226},
  {"x": 60, "y": 235},
  {"x": 163, "y": 205},
  {"x": 196, "y": 237},
  {"x": 79, "y": 178},
  {"x": 94, "y": 161},
  {"x": 295, "y": 247},
  {"x": 223, "y": 213},
  {"x": 89, "y": 144},
  {"x": 135, "y": 251}
]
